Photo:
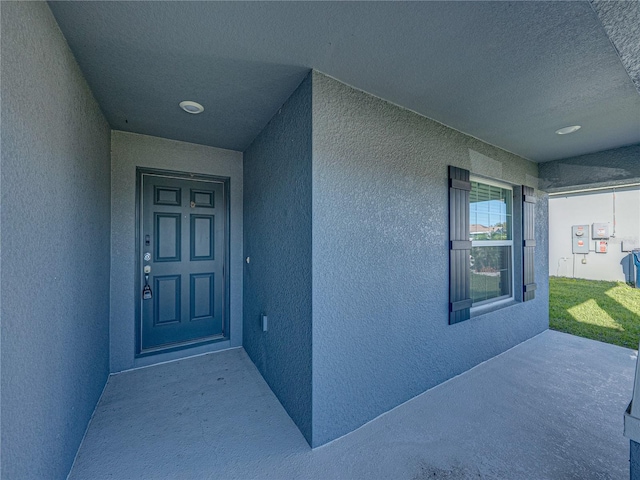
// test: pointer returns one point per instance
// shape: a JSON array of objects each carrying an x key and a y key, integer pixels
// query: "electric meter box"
[
  {"x": 602, "y": 246},
  {"x": 580, "y": 238},
  {"x": 599, "y": 230}
]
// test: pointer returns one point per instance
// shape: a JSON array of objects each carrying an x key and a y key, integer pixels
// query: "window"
[
  {"x": 486, "y": 269},
  {"x": 491, "y": 235}
]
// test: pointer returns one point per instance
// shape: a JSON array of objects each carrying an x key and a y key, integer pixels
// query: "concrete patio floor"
[{"x": 550, "y": 408}]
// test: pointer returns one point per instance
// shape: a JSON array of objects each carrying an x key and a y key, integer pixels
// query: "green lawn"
[{"x": 604, "y": 311}]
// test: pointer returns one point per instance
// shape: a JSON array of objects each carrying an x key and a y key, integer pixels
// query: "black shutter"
[
  {"x": 528, "y": 243},
  {"x": 459, "y": 246}
]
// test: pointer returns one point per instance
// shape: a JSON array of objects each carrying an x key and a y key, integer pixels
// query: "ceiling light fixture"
[
  {"x": 191, "y": 107},
  {"x": 566, "y": 130}
]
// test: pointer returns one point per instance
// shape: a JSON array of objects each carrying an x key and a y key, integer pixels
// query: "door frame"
[{"x": 140, "y": 173}]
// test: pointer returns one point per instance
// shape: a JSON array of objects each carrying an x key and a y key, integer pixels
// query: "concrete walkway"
[{"x": 550, "y": 408}]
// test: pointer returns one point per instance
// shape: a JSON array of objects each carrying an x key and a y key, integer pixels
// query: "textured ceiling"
[
  {"x": 621, "y": 21},
  {"x": 507, "y": 73}
]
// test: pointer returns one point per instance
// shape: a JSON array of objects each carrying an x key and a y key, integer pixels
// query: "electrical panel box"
[
  {"x": 599, "y": 230},
  {"x": 602, "y": 246},
  {"x": 580, "y": 238}
]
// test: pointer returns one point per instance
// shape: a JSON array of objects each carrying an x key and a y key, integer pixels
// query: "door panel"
[
  {"x": 202, "y": 296},
  {"x": 167, "y": 235},
  {"x": 182, "y": 236},
  {"x": 202, "y": 237},
  {"x": 167, "y": 299},
  {"x": 203, "y": 198},
  {"x": 167, "y": 196}
]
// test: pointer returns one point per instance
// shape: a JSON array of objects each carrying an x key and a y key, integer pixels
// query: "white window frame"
[{"x": 477, "y": 306}]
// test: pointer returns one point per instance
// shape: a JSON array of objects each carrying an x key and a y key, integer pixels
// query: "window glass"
[
  {"x": 490, "y": 212},
  {"x": 491, "y": 232},
  {"x": 490, "y": 273}
]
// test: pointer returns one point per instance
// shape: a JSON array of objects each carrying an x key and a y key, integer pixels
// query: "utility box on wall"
[
  {"x": 580, "y": 238},
  {"x": 600, "y": 230},
  {"x": 602, "y": 246},
  {"x": 614, "y": 219}
]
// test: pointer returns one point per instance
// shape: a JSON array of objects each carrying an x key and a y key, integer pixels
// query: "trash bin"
[{"x": 636, "y": 260}]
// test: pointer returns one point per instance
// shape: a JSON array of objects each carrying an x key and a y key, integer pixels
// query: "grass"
[{"x": 604, "y": 311}]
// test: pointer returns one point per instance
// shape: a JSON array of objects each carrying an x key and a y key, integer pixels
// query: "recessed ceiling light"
[
  {"x": 571, "y": 129},
  {"x": 194, "y": 107}
]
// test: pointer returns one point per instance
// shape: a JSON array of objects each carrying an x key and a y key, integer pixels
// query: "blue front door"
[{"x": 182, "y": 245}]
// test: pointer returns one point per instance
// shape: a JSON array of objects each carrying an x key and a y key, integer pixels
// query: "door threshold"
[{"x": 181, "y": 346}]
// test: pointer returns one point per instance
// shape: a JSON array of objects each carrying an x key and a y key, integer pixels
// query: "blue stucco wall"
[
  {"x": 634, "y": 460},
  {"x": 618, "y": 166},
  {"x": 277, "y": 238},
  {"x": 380, "y": 258},
  {"x": 131, "y": 150},
  {"x": 55, "y": 247}
]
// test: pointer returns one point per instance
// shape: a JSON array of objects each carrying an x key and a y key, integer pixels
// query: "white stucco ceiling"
[{"x": 509, "y": 73}]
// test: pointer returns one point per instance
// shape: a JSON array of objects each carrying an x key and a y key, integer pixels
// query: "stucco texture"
[
  {"x": 380, "y": 258},
  {"x": 621, "y": 21},
  {"x": 55, "y": 247},
  {"x": 611, "y": 167},
  {"x": 277, "y": 238},
  {"x": 128, "y": 151},
  {"x": 634, "y": 458}
]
